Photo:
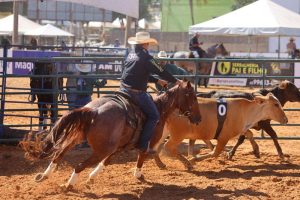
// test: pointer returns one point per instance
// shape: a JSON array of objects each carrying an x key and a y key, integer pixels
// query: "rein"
[{"x": 158, "y": 92}]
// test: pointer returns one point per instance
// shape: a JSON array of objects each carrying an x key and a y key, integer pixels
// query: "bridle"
[{"x": 186, "y": 113}]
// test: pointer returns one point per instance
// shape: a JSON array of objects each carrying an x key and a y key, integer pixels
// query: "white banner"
[
  {"x": 297, "y": 73},
  {"x": 9, "y": 64}
]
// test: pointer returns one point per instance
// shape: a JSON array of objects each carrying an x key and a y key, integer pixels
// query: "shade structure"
[
  {"x": 6, "y": 25},
  {"x": 48, "y": 31},
  {"x": 262, "y": 17},
  {"x": 128, "y": 7}
]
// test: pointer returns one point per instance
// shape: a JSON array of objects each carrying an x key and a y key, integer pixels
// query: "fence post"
[
  {"x": 196, "y": 79},
  {"x": 3, "y": 88}
]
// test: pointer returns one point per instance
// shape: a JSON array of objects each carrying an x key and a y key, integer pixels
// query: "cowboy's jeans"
[{"x": 145, "y": 102}]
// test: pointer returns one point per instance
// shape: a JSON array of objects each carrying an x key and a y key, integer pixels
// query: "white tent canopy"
[
  {"x": 128, "y": 7},
  {"x": 6, "y": 25},
  {"x": 48, "y": 31},
  {"x": 262, "y": 17}
]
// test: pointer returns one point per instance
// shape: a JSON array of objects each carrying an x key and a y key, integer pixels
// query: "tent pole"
[
  {"x": 249, "y": 45},
  {"x": 278, "y": 46},
  {"x": 15, "y": 25},
  {"x": 127, "y": 29}
]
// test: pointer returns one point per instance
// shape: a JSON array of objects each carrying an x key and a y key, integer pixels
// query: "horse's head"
[
  {"x": 187, "y": 102},
  {"x": 220, "y": 50}
]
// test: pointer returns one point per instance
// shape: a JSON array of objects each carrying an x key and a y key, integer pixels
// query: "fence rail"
[{"x": 62, "y": 106}]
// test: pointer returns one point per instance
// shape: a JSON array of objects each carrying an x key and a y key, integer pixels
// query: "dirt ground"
[{"x": 245, "y": 177}]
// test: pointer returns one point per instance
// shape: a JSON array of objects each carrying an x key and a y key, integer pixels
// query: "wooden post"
[
  {"x": 127, "y": 30},
  {"x": 16, "y": 22}
]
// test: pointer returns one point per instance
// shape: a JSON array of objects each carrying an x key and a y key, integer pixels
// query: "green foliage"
[
  {"x": 240, "y": 3},
  {"x": 176, "y": 14}
]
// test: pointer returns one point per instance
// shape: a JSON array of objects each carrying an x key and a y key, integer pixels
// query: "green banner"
[{"x": 176, "y": 14}]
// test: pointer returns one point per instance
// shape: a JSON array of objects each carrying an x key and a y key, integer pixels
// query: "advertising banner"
[
  {"x": 114, "y": 67},
  {"x": 297, "y": 73},
  {"x": 9, "y": 65},
  {"x": 23, "y": 68},
  {"x": 253, "y": 69}
]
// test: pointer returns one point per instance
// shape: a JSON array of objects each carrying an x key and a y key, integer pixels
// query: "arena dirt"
[{"x": 245, "y": 177}]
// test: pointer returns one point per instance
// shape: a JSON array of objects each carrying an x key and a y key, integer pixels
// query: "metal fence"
[{"x": 27, "y": 112}]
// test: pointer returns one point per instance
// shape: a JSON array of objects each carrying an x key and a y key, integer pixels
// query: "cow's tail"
[{"x": 68, "y": 131}]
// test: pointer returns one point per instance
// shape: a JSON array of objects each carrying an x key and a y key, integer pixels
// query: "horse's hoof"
[
  {"x": 285, "y": 159},
  {"x": 256, "y": 154},
  {"x": 87, "y": 186},
  {"x": 229, "y": 156},
  {"x": 90, "y": 181},
  {"x": 66, "y": 187},
  {"x": 189, "y": 168},
  {"x": 192, "y": 161},
  {"x": 284, "y": 156},
  {"x": 141, "y": 178},
  {"x": 162, "y": 166},
  {"x": 137, "y": 174},
  {"x": 40, "y": 177}
]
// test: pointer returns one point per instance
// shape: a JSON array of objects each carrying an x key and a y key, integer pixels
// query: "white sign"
[
  {"x": 297, "y": 73},
  {"x": 9, "y": 64}
]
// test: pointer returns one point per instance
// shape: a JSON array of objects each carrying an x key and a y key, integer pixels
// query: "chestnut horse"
[
  {"x": 103, "y": 124},
  {"x": 203, "y": 68}
]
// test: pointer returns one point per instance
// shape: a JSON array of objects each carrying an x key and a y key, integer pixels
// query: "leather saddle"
[{"x": 135, "y": 117}]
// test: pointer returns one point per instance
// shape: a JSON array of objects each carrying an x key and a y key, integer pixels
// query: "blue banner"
[{"x": 23, "y": 68}]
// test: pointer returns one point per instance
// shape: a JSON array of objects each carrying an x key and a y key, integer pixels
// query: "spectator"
[
  {"x": 291, "y": 47},
  {"x": 117, "y": 43},
  {"x": 71, "y": 85},
  {"x": 33, "y": 43},
  {"x": 85, "y": 85},
  {"x": 5, "y": 42},
  {"x": 194, "y": 46},
  {"x": 63, "y": 46},
  {"x": 171, "y": 68}
]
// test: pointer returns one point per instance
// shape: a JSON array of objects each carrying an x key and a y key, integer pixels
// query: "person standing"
[
  {"x": 291, "y": 47},
  {"x": 194, "y": 46},
  {"x": 33, "y": 43},
  {"x": 171, "y": 68},
  {"x": 85, "y": 85},
  {"x": 138, "y": 69}
]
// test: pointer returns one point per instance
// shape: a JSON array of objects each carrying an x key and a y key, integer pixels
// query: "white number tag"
[{"x": 222, "y": 109}]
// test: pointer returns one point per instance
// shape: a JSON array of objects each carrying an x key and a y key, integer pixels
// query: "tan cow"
[{"x": 241, "y": 115}]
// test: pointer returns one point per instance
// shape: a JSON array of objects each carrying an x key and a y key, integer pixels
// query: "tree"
[{"x": 240, "y": 3}]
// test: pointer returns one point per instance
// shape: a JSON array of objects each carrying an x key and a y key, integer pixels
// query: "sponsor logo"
[{"x": 223, "y": 67}]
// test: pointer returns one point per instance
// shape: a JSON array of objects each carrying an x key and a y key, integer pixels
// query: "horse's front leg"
[
  {"x": 73, "y": 180},
  {"x": 100, "y": 167},
  {"x": 52, "y": 166},
  {"x": 140, "y": 161},
  {"x": 50, "y": 169},
  {"x": 155, "y": 142}
]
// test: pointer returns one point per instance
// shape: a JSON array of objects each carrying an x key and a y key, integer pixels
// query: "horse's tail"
[{"x": 68, "y": 131}]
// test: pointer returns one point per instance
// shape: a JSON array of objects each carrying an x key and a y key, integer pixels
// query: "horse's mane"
[{"x": 161, "y": 100}]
